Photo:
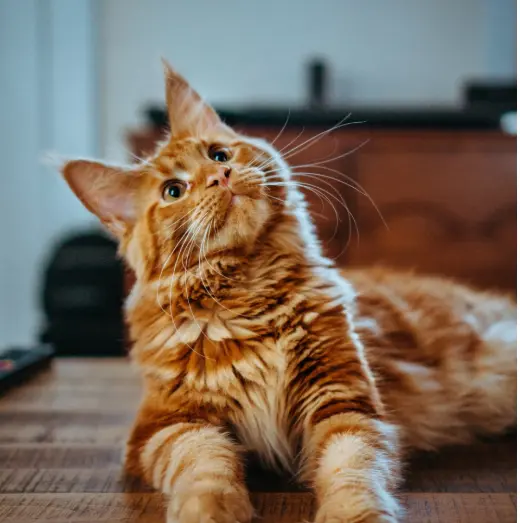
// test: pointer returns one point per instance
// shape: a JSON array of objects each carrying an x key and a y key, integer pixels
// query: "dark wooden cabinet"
[
  {"x": 448, "y": 198},
  {"x": 449, "y": 201}
]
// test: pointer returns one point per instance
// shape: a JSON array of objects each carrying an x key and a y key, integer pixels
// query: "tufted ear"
[
  {"x": 187, "y": 111},
  {"x": 106, "y": 191}
]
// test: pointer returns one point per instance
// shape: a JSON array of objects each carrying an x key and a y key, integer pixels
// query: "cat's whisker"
[
  {"x": 283, "y": 128},
  {"x": 265, "y": 163},
  {"x": 351, "y": 219},
  {"x": 186, "y": 235},
  {"x": 268, "y": 159},
  {"x": 275, "y": 198},
  {"x": 183, "y": 241},
  {"x": 349, "y": 182},
  {"x": 251, "y": 178},
  {"x": 169, "y": 226},
  {"x": 281, "y": 151},
  {"x": 212, "y": 266},
  {"x": 335, "y": 189},
  {"x": 314, "y": 175},
  {"x": 170, "y": 301},
  {"x": 185, "y": 219},
  {"x": 203, "y": 273},
  {"x": 194, "y": 231},
  {"x": 191, "y": 247},
  {"x": 316, "y": 190},
  {"x": 343, "y": 155},
  {"x": 251, "y": 165},
  {"x": 255, "y": 158},
  {"x": 160, "y": 279},
  {"x": 246, "y": 176},
  {"x": 201, "y": 251},
  {"x": 315, "y": 139},
  {"x": 271, "y": 172},
  {"x": 324, "y": 194},
  {"x": 218, "y": 272},
  {"x": 179, "y": 244},
  {"x": 171, "y": 310},
  {"x": 356, "y": 186},
  {"x": 338, "y": 193},
  {"x": 309, "y": 186},
  {"x": 210, "y": 293},
  {"x": 288, "y": 152}
]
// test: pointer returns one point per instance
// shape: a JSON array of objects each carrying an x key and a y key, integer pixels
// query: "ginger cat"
[{"x": 248, "y": 339}]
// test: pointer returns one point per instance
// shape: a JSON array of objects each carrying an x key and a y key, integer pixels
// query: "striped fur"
[{"x": 248, "y": 339}]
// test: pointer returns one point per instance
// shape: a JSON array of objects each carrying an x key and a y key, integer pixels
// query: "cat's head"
[{"x": 207, "y": 189}]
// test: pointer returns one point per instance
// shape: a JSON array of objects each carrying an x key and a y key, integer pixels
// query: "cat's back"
[
  {"x": 427, "y": 302},
  {"x": 445, "y": 353}
]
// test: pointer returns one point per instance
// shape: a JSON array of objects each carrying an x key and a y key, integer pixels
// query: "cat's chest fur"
[
  {"x": 232, "y": 357},
  {"x": 229, "y": 364}
]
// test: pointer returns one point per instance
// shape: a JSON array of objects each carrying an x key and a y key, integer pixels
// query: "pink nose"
[{"x": 219, "y": 177}]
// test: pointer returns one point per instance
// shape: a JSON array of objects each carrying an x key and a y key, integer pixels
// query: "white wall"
[
  {"x": 234, "y": 51},
  {"x": 22, "y": 206},
  {"x": 47, "y": 103},
  {"x": 398, "y": 52}
]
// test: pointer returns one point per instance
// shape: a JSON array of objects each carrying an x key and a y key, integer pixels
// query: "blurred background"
[{"x": 430, "y": 86}]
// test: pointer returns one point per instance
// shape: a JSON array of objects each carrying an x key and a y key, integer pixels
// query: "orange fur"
[{"x": 249, "y": 339}]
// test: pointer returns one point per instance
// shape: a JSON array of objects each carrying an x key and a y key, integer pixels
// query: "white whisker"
[
  {"x": 323, "y": 194},
  {"x": 283, "y": 128},
  {"x": 348, "y": 153},
  {"x": 283, "y": 149},
  {"x": 356, "y": 186},
  {"x": 316, "y": 138},
  {"x": 192, "y": 246}
]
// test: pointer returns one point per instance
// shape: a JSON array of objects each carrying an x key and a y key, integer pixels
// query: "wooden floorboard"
[
  {"x": 271, "y": 507},
  {"x": 61, "y": 443}
]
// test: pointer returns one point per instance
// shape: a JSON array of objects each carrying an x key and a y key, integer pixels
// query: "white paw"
[
  {"x": 345, "y": 507},
  {"x": 347, "y": 517},
  {"x": 211, "y": 507}
]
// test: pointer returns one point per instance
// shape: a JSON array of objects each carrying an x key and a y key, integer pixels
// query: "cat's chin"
[{"x": 243, "y": 221}]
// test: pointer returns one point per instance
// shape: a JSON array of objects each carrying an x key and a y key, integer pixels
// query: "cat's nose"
[{"x": 219, "y": 177}]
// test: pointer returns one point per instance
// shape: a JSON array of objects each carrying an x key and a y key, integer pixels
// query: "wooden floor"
[{"x": 61, "y": 437}]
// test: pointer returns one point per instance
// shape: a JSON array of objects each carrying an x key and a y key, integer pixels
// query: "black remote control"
[{"x": 19, "y": 364}]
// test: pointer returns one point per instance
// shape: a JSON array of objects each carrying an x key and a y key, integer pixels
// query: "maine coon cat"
[{"x": 248, "y": 339}]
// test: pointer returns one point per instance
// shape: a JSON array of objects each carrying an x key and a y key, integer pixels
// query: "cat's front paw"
[
  {"x": 341, "y": 518},
  {"x": 345, "y": 507},
  {"x": 211, "y": 507}
]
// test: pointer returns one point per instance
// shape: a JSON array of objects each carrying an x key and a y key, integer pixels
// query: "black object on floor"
[
  {"x": 83, "y": 297},
  {"x": 19, "y": 364}
]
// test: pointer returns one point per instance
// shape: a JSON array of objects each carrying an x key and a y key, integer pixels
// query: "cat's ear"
[
  {"x": 108, "y": 192},
  {"x": 187, "y": 111}
]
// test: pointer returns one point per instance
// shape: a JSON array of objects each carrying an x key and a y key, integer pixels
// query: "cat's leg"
[
  {"x": 351, "y": 461},
  {"x": 196, "y": 464}
]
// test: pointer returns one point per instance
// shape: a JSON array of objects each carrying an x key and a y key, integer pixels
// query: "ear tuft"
[
  {"x": 167, "y": 68},
  {"x": 53, "y": 160},
  {"x": 187, "y": 111}
]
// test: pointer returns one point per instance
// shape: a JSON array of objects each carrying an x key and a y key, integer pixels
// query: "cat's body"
[
  {"x": 249, "y": 339},
  {"x": 444, "y": 355}
]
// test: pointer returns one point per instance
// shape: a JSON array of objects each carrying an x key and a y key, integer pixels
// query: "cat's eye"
[
  {"x": 218, "y": 155},
  {"x": 173, "y": 190}
]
